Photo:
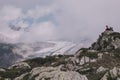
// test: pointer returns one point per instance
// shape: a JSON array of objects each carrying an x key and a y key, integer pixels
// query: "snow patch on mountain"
[
  {"x": 27, "y": 49},
  {"x": 60, "y": 48}
]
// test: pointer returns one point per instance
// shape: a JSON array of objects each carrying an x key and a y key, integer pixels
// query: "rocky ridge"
[{"x": 99, "y": 62}]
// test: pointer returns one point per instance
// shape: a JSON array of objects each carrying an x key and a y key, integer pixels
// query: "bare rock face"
[
  {"x": 2, "y": 70},
  {"x": 21, "y": 77},
  {"x": 52, "y": 73},
  {"x": 7, "y": 79},
  {"x": 112, "y": 74},
  {"x": 56, "y": 74},
  {"x": 107, "y": 41},
  {"x": 84, "y": 60},
  {"x": 20, "y": 65},
  {"x": 101, "y": 69}
]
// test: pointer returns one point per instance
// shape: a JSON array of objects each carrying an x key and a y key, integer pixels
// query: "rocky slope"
[
  {"x": 107, "y": 41},
  {"x": 99, "y": 62}
]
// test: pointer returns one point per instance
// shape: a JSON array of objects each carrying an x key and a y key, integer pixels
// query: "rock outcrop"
[
  {"x": 101, "y": 69},
  {"x": 53, "y": 73},
  {"x": 113, "y": 74},
  {"x": 108, "y": 40},
  {"x": 20, "y": 65},
  {"x": 2, "y": 70}
]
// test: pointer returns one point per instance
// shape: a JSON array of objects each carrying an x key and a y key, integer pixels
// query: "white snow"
[{"x": 61, "y": 47}]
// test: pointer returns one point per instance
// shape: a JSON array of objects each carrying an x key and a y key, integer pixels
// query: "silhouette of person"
[
  {"x": 111, "y": 28},
  {"x": 107, "y": 28}
]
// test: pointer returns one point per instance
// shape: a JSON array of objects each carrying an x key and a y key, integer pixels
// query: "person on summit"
[
  {"x": 111, "y": 29},
  {"x": 108, "y": 29}
]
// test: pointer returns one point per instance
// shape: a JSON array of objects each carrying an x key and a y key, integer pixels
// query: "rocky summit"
[
  {"x": 108, "y": 40},
  {"x": 101, "y": 61}
]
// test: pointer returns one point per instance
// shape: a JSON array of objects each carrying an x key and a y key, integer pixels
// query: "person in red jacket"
[{"x": 107, "y": 28}]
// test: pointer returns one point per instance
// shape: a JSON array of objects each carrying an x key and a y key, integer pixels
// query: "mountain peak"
[{"x": 107, "y": 41}]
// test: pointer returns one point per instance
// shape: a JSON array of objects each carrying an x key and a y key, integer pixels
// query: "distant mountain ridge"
[
  {"x": 23, "y": 51},
  {"x": 99, "y": 62},
  {"x": 13, "y": 52},
  {"x": 7, "y": 56}
]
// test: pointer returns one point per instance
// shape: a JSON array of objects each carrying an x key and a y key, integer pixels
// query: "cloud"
[
  {"x": 39, "y": 11},
  {"x": 73, "y": 20},
  {"x": 40, "y": 32},
  {"x": 83, "y": 19},
  {"x": 11, "y": 18},
  {"x": 10, "y": 13},
  {"x": 25, "y": 4}
]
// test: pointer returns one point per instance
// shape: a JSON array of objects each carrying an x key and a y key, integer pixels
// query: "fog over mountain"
[{"x": 70, "y": 20}]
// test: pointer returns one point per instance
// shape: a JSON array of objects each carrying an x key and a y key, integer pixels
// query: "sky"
[{"x": 69, "y": 20}]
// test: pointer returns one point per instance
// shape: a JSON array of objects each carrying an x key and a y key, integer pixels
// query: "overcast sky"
[{"x": 71, "y": 20}]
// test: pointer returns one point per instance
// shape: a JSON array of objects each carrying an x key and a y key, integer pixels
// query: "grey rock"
[
  {"x": 55, "y": 74},
  {"x": 101, "y": 69},
  {"x": 20, "y": 65},
  {"x": 107, "y": 41},
  {"x": 2, "y": 70},
  {"x": 21, "y": 77}
]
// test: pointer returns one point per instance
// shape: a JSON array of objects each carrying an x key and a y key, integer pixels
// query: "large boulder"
[
  {"x": 2, "y": 70},
  {"x": 101, "y": 69},
  {"x": 52, "y": 73},
  {"x": 113, "y": 74},
  {"x": 20, "y": 65}
]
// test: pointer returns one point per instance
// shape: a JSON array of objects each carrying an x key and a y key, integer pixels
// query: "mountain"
[
  {"x": 7, "y": 56},
  {"x": 29, "y": 49},
  {"x": 99, "y": 62},
  {"x": 24, "y": 51},
  {"x": 107, "y": 41},
  {"x": 59, "y": 48},
  {"x": 11, "y": 53}
]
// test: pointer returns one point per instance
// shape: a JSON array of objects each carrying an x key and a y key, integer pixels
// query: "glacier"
[{"x": 60, "y": 48}]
